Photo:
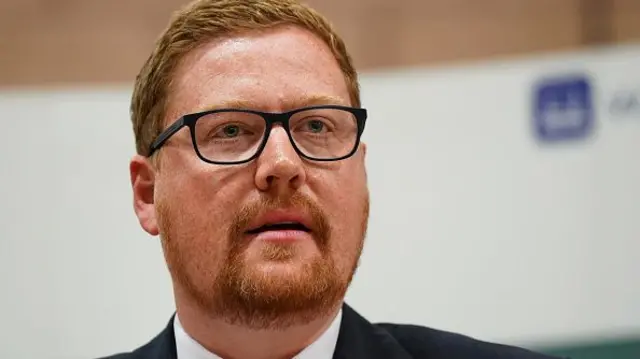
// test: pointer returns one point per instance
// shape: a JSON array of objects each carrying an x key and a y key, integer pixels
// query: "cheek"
[
  {"x": 207, "y": 193},
  {"x": 190, "y": 237},
  {"x": 348, "y": 210},
  {"x": 196, "y": 205}
]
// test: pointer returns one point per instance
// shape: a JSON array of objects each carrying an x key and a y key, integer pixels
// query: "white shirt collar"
[{"x": 322, "y": 348}]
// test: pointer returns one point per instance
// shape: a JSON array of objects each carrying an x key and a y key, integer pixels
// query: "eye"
[
  {"x": 315, "y": 126},
  {"x": 229, "y": 131}
]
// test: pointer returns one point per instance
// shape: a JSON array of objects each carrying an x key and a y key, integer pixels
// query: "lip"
[
  {"x": 280, "y": 216},
  {"x": 281, "y": 236}
]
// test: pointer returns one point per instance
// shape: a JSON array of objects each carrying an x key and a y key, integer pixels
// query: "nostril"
[
  {"x": 273, "y": 181},
  {"x": 296, "y": 181}
]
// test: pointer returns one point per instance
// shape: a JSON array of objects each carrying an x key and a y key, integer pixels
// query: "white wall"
[{"x": 475, "y": 226}]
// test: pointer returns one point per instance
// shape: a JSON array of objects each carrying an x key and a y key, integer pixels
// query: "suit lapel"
[
  {"x": 163, "y": 346},
  {"x": 360, "y": 339}
]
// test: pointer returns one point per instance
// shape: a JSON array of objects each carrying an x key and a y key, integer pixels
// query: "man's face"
[{"x": 205, "y": 213}]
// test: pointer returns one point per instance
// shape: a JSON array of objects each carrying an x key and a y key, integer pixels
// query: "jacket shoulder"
[
  {"x": 120, "y": 356},
  {"x": 424, "y": 342},
  {"x": 149, "y": 350},
  {"x": 162, "y": 346}
]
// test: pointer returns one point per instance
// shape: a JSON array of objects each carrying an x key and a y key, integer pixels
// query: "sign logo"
[{"x": 563, "y": 108}]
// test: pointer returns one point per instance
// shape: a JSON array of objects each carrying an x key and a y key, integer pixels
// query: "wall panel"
[{"x": 45, "y": 42}]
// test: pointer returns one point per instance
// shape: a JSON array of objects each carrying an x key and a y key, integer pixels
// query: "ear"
[
  {"x": 142, "y": 175},
  {"x": 363, "y": 150}
]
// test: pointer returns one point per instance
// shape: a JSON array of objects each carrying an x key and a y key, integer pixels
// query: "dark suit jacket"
[{"x": 359, "y": 339}]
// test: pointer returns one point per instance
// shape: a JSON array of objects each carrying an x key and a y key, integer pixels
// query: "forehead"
[{"x": 272, "y": 70}]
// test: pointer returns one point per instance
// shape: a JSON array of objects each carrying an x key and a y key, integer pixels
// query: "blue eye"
[
  {"x": 316, "y": 126},
  {"x": 230, "y": 131}
]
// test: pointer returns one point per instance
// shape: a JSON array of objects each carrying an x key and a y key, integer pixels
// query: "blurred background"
[{"x": 503, "y": 137}]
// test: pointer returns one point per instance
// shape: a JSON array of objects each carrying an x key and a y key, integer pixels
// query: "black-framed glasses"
[{"x": 235, "y": 136}]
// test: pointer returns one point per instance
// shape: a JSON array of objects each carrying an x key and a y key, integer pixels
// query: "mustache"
[{"x": 297, "y": 201}]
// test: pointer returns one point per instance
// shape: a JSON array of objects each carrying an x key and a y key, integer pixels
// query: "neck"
[{"x": 233, "y": 341}]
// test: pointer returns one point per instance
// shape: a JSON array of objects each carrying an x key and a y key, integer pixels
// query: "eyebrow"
[{"x": 289, "y": 105}]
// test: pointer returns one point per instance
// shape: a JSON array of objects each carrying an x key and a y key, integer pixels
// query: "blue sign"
[{"x": 563, "y": 109}]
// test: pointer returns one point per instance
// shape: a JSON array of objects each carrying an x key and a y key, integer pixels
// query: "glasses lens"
[
  {"x": 324, "y": 133},
  {"x": 229, "y": 136}
]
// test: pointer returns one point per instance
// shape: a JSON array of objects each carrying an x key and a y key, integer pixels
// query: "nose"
[{"x": 280, "y": 168}]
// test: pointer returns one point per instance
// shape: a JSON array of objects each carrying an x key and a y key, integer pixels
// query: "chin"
[
  {"x": 282, "y": 253},
  {"x": 291, "y": 265},
  {"x": 296, "y": 265}
]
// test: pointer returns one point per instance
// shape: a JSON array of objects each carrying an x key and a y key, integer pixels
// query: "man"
[{"x": 250, "y": 168}]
